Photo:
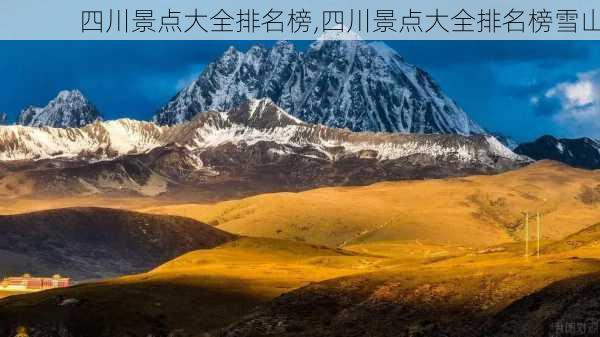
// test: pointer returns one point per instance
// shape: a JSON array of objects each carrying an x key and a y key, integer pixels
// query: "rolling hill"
[
  {"x": 412, "y": 258},
  {"x": 448, "y": 298},
  {"x": 564, "y": 306},
  {"x": 271, "y": 287},
  {"x": 195, "y": 293},
  {"x": 85, "y": 243},
  {"x": 472, "y": 211}
]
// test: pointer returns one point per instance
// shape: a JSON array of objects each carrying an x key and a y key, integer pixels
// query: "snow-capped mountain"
[
  {"x": 580, "y": 152},
  {"x": 255, "y": 146},
  {"x": 354, "y": 84},
  {"x": 251, "y": 122},
  {"x": 3, "y": 118},
  {"x": 68, "y": 109},
  {"x": 100, "y": 140}
]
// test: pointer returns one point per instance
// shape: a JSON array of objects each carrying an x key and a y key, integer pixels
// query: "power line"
[
  {"x": 539, "y": 231},
  {"x": 527, "y": 235}
]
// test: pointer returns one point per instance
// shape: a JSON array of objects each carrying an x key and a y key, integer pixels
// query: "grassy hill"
[
  {"x": 288, "y": 288},
  {"x": 98, "y": 242},
  {"x": 199, "y": 291},
  {"x": 472, "y": 211},
  {"x": 455, "y": 297},
  {"x": 414, "y": 258},
  {"x": 564, "y": 307},
  {"x": 583, "y": 243}
]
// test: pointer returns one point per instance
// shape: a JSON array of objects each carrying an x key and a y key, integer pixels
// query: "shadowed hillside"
[
  {"x": 563, "y": 308},
  {"x": 198, "y": 292},
  {"x": 449, "y": 299},
  {"x": 96, "y": 242}
]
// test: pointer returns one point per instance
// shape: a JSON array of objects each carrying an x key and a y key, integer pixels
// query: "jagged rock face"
[
  {"x": 68, "y": 109},
  {"x": 344, "y": 84},
  {"x": 3, "y": 118},
  {"x": 580, "y": 152},
  {"x": 256, "y": 147}
]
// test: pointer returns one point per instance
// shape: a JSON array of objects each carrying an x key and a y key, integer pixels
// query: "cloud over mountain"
[{"x": 574, "y": 104}]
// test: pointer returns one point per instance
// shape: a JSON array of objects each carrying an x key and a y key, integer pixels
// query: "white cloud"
[
  {"x": 579, "y": 104},
  {"x": 580, "y": 93}
]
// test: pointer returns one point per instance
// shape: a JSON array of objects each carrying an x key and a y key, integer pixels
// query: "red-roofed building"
[{"x": 27, "y": 282}]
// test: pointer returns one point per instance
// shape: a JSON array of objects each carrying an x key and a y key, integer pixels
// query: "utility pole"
[
  {"x": 539, "y": 232},
  {"x": 527, "y": 235}
]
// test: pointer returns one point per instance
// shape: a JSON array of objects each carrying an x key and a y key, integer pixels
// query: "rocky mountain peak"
[
  {"x": 70, "y": 108},
  {"x": 354, "y": 84},
  {"x": 66, "y": 94}
]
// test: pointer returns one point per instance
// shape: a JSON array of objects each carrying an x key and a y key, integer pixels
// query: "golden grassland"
[
  {"x": 471, "y": 211},
  {"x": 206, "y": 290},
  {"x": 201, "y": 290},
  {"x": 266, "y": 267},
  {"x": 461, "y": 238}
]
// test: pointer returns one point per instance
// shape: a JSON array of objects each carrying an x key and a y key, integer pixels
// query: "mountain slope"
[
  {"x": 68, "y": 109},
  {"x": 3, "y": 118},
  {"x": 438, "y": 299},
  {"x": 566, "y": 305},
  {"x": 256, "y": 147},
  {"x": 99, "y": 139},
  {"x": 344, "y": 84},
  {"x": 580, "y": 152},
  {"x": 95, "y": 242},
  {"x": 588, "y": 239}
]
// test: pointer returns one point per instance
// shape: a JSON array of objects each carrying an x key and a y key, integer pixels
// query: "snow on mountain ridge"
[
  {"x": 251, "y": 123},
  {"x": 69, "y": 109},
  {"x": 107, "y": 139},
  {"x": 295, "y": 133}
]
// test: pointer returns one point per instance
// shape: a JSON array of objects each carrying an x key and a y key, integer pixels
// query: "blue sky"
[{"x": 521, "y": 88}]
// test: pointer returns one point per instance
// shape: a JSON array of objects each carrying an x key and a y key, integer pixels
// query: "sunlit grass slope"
[
  {"x": 199, "y": 291},
  {"x": 471, "y": 211}
]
